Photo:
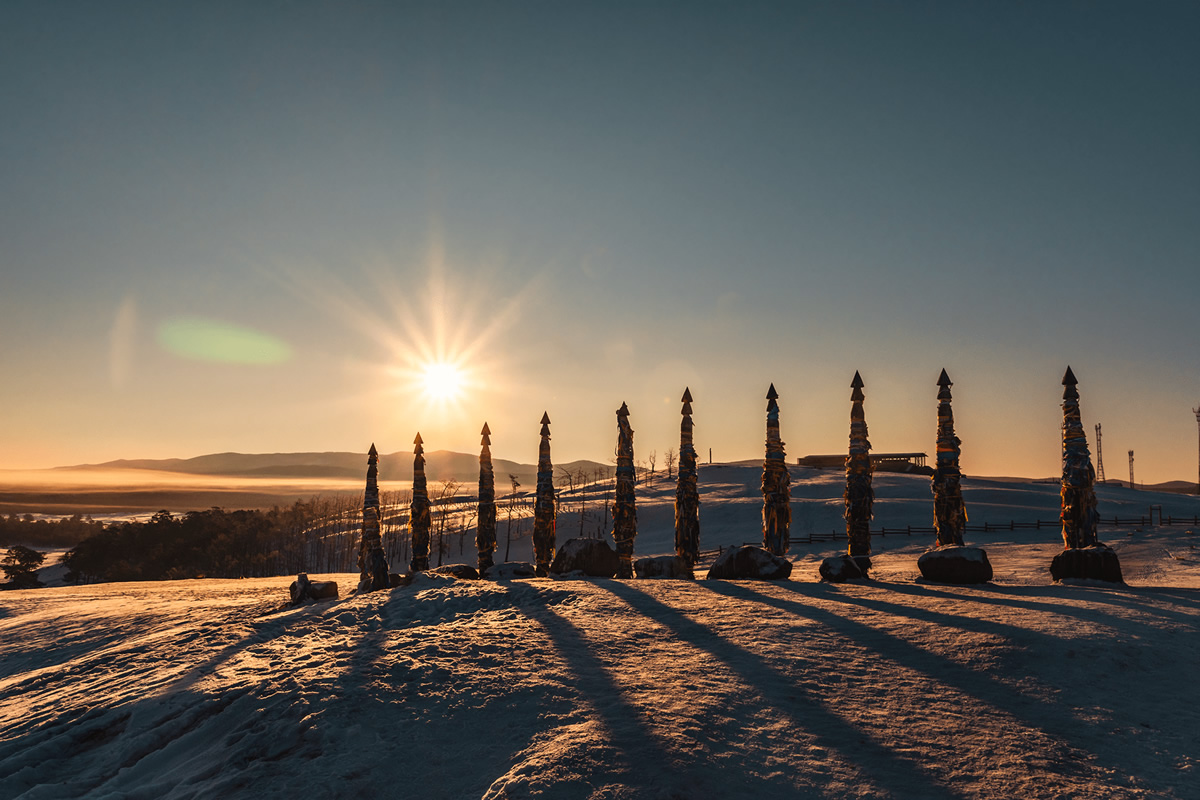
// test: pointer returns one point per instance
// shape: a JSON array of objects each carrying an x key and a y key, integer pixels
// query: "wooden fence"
[{"x": 986, "y": 527}]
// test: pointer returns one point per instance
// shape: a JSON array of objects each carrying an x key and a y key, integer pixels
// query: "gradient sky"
[{"x": 249, "y": 226}]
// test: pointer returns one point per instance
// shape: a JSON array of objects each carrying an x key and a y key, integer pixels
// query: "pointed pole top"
[
  {"x": 1069, "y": 378},
  {"x": 687, "y": 395},
  {"x": 772, "y": 394},
  {"x": 545, "y": 418},
  {"x": 417, "y": 441},
  {"x": 857, "y": 383},
  {"x": 623, "y": 411},
  {"x": 485, "y": 431},
  {"x": 372, "y": 451},
  {"x": 944, "y": 379}
]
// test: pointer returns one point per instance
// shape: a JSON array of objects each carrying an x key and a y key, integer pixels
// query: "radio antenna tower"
[
  {"x": 1196, "y": 411},
  {"x": 1100, "y": 453},
  {"x": 1131, "y": 469}
]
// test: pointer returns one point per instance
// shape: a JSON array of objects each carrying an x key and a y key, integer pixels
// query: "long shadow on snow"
[
  {"x": 1061, "y": 726},
  {"x": 389, "y": 693},
  {"x": 936, "y": 617},
  {"x": 832, "y": 732},
  {"x": 152, "y": 745},
  {"x": 629, "y": 734},
  {"x": 1034, "y": 598}
]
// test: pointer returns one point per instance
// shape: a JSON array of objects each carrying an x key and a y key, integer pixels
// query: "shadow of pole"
[
  {"x": 1059, "y": 727},
  {"x": 1032, "y": 598},
  {"x": 630, "y": 735},
  {"x": 877, "y": 764}
]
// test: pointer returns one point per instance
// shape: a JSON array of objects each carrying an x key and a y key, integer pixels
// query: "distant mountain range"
[{"x": 440, "y": 465}]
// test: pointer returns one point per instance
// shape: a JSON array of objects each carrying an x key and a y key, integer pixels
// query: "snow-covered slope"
[{"x": 628, "y": 689}]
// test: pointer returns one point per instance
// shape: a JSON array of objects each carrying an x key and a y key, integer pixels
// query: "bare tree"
[
  {"x": 606, "y": 497},
  {"x": 581, "y": 482},
  {"x": 445, "y": 504},
  {"x": 508, "y": 526},
  {"x": 650, "y": 459},
  {"x": 669, "y": 461}
]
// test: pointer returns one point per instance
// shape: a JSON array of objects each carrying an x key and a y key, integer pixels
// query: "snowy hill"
[
  {"x": 634, "y": 689},
  {"x": 440, "y": 465}
]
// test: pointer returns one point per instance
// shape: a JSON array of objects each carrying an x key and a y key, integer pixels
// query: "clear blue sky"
[{"x": 250, "y": 226}]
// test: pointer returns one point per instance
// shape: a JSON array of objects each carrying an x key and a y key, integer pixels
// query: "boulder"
[
  {"x": 1098, "y": 563},
  {"x": 303, "y": 590},
  {"x": 955, "y": 564},
  {"x": 663, "y": 567},
  {"x": 509, "y": 570},
  {"x": 839, "y": 569},
  {"x": 594, "y": 557},
  {"x": 460, "y": 571},
  {"x": 750, "y": 563}
]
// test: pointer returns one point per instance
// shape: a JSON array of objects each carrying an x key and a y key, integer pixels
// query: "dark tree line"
[
  {"x": 64, "y": 532},
  {"x": 318, "y": 535}
]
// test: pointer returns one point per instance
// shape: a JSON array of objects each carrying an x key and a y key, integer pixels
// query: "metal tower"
[
  {"x": 1196, "y": 411},
  {"x": 1100, "y": 455},
  {"x": 1130, "y": 469}
]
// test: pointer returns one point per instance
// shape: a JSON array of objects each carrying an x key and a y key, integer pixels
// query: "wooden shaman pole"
[
  {"x": 543, "y": 505},
  {"x": 372, "y": 563},
  {"x": 485, "y": 536},
  {"x": 859, "y": 494},
  {"x": 1084, "y": 555},
  {"x": 624, "y": 510},
  {"x": 420, "y": 521},
  {"x": 949, "y": 511},
  {"x": 687, "y": 498},
  {"x": 777, "y": 510},
  {"x": 950, "y": 561}
]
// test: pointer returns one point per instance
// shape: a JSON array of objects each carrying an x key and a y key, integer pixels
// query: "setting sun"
[{"x": 441, "y": 380}]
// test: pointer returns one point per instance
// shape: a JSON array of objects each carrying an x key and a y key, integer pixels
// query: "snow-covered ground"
[{"x": 631, "y": 689}]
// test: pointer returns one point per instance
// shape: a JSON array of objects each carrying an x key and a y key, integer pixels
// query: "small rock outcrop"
[
  {"x": 955, "y": 564},
  {"x": 305, "y": 591},
  {"x": 750, "y": 563},
  {"x": 839, "y": 569},
  {"x": 664, "y": 567},
  {"x": 1096, "y": 563},
  {"x": 460, "y": 571},
  {"x": 592, "y": 557}
]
